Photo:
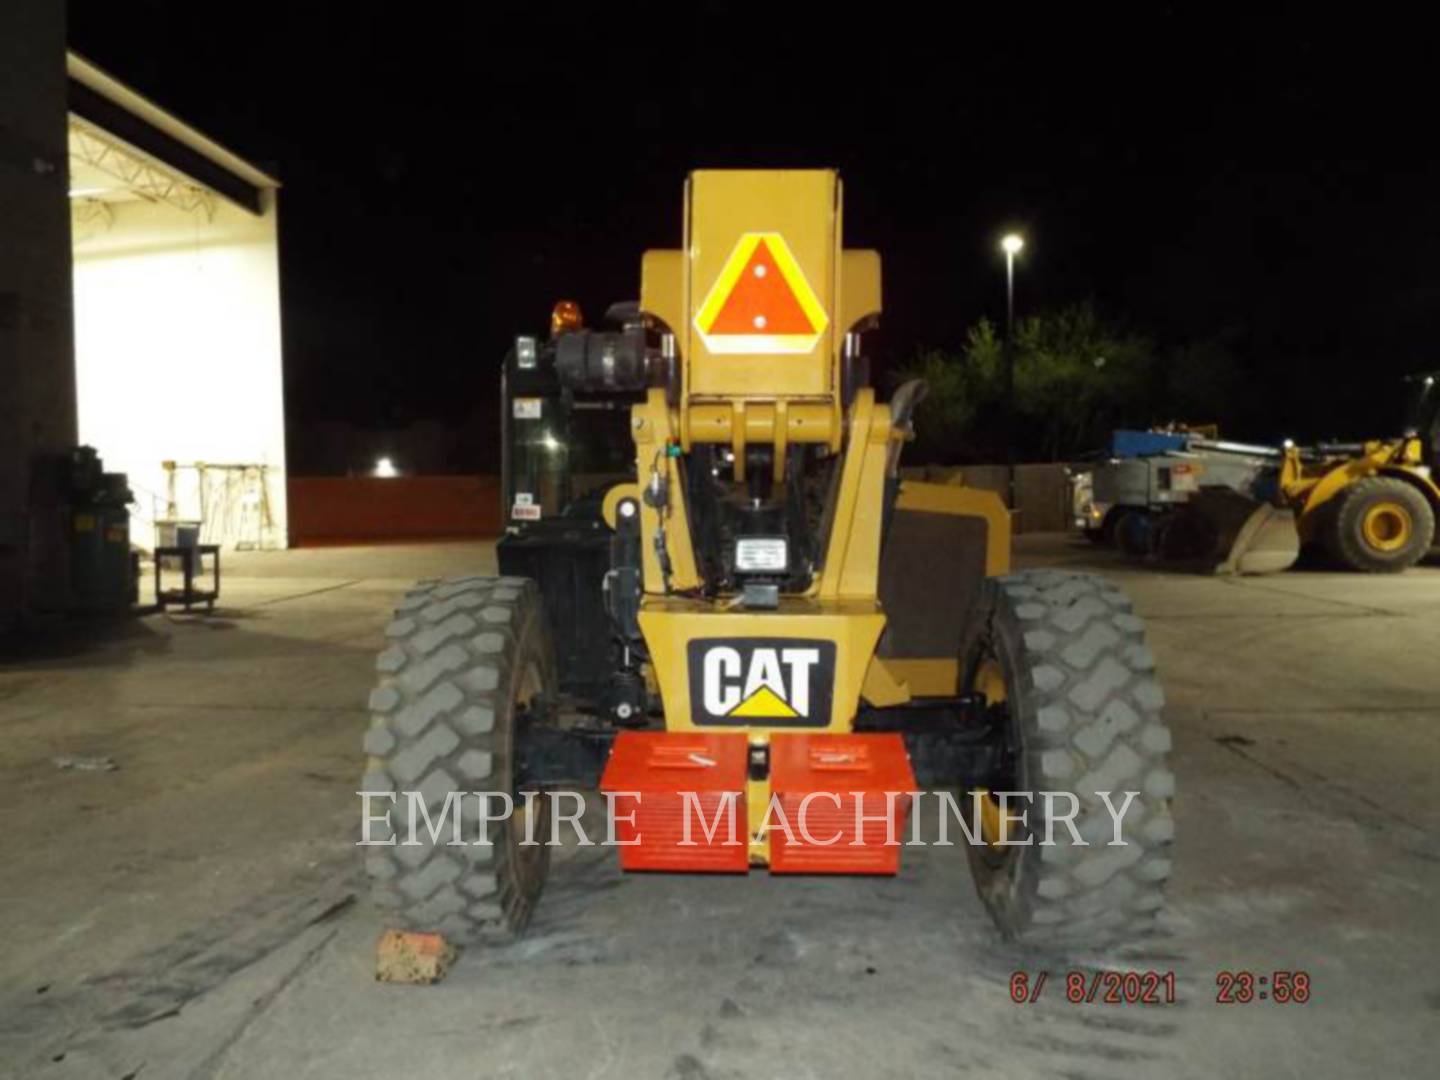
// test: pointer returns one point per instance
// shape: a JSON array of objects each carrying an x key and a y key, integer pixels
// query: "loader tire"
[
  {"x": 1134, "y": 533},
  {"x": 465, "y": 657},
  {"x": 1380, "y": 525},
  {"x": 1081, "y": 710}
]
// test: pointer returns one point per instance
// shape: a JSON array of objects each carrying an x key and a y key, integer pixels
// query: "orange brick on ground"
[{"x": 403, "y": 957}]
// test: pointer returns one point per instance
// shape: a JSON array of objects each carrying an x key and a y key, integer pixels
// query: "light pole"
[{"x": 1011, "y": 244}]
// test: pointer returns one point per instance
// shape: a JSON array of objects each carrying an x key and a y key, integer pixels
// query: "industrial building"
[
  {"x": 139, "y": 315},
  {"x": 177, "y": 315}
]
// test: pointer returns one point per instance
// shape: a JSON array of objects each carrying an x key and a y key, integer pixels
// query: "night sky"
[{"x": 450, "y": 170}]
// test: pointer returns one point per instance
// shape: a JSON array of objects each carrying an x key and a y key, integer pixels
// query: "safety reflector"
[
  {"x": 845, "y": 800},
  {"x": 686, "y": 794},
  {"x": 761, "y": 302}
]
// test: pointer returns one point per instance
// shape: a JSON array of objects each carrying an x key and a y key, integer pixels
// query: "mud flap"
[{"x": 1223, "y": 532}]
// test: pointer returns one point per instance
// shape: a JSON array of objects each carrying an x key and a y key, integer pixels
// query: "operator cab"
[
  {"x": 561, "y": 452},
  {"x": 1423, "y": 417}
]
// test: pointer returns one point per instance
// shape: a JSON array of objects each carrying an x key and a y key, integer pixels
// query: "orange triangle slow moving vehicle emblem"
[{"x": 761, "y": 302}]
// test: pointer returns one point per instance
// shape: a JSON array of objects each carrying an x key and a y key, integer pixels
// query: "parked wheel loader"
[
  {"x": 1371, "y": 505},
  {"x": 718, "y": 597}
]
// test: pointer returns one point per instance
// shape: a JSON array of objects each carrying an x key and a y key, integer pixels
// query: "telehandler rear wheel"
[
  {"x": 1380, "y": 525},
  {"x": 1062, "y": 658},
  {"x": 466, "y": 658}
]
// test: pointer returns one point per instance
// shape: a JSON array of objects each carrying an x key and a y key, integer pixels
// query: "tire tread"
[{"x": 438, "y": 725}]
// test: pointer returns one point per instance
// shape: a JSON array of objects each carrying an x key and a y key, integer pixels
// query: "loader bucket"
[{"x": 1223, "y": 532}]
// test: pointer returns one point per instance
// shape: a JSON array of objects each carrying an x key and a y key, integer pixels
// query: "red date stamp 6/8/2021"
[
  {"x": 1104, "y": 987},
  {"x": 1112, "y": 987}
]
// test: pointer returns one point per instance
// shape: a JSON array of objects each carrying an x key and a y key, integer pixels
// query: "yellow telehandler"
[{"x": 719, "y": 603}]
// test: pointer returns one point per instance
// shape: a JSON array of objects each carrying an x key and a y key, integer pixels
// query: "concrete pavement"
[{"x": 199, "y": 912}]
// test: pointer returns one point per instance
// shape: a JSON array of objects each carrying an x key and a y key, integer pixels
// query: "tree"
[
  {"x": 1075, "y": 377},
  {"x": 963, "y": 392}
]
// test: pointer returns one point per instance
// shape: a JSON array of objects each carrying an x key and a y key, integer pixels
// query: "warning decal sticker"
[{"x": 761, "y": 302}]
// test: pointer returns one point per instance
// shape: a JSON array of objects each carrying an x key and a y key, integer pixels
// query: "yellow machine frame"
[
  {"x": 1309, "y": 487},
  {"x": 741, "y": 394}
]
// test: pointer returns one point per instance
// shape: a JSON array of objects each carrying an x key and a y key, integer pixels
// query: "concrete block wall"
[{"x": 364, "y": 509}]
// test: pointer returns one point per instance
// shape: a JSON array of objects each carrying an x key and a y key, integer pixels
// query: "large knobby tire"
[
  {"x": 1380, "y": 525},
  {"x": 1082, "y": 713},
  {"x": 464, "y": 657}
]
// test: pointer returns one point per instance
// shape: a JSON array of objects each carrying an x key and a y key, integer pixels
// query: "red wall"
[{"x": 366, "y": 509}]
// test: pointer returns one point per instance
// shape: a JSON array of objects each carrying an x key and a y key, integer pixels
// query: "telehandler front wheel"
[
  {"x": 1381, "y": 525},
  {"x": 467, "y": 658},
  {"x": 1062, "y": 659}
]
